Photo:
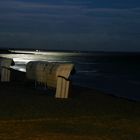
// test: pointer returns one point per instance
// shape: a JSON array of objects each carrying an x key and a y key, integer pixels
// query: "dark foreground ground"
[{"x": 27, "y": 113}]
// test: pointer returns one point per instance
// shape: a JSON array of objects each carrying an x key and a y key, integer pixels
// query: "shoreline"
[
  {"x": 19, "y": 77},
  {"x": 116, "y": 85}
]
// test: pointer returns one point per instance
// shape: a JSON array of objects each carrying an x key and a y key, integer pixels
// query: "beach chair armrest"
[{"x": 63, "y": 77}]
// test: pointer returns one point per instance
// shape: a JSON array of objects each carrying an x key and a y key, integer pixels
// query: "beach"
[
  {"x": 33, "y": 113},
  {"x": 29, "y": 113}
]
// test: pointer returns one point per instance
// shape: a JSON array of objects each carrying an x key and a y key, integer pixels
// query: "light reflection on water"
[
  {"x": 38, "y": 55},
  {"x": 22, "y": 59}
]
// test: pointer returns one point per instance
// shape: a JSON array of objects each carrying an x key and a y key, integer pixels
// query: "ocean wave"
[
  {"x": 87, "y": 63},
  {"x": 86, "y": 71},
  {"x": 134, "y": 82}
]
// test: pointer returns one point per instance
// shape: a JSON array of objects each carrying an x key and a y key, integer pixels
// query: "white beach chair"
[
  {"x": 5, "y": 69},
  {"x": 51, "y": 75}
]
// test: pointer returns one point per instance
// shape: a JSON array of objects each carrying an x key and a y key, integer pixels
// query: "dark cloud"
[{"x": 70, "y": 24}]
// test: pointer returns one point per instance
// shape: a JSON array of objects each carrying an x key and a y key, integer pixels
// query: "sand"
[{"x": 27, "y": 113}]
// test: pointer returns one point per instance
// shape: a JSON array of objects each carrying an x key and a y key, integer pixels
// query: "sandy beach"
[{"x": 34, "y": 114}]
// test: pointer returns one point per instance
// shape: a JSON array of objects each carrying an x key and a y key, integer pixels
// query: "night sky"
[{"x": 97, "y": 25}]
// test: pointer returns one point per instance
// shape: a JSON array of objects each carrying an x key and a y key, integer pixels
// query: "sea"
[{"x": 114, "y": 73}]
